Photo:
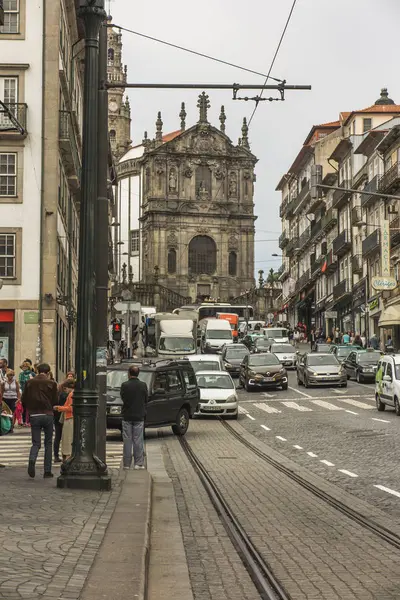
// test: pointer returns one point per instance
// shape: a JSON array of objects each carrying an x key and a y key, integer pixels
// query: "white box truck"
[
  {"x": 214, "y": 334},
  {"x": 175, "y": 336}
]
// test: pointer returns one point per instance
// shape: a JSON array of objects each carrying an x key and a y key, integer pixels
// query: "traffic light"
[
  {"x": 316, "y": 179},
  {"x": 116, "y": 331}
]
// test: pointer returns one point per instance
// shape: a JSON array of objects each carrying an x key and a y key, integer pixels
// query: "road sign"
[
  {"x": 383, "y": 283},
  {"x": 331, "y": 314},
  {"x": 124, "y": 306}
]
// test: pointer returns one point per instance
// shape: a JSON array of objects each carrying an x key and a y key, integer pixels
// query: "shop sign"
[
  {"x": 359, "y": 295},
  {"x": 385, "y": 248},
  {"x": 384, "y": 283},
  {"x": 331, "y": 314},
  {"x": 31, "y": 318},
  {"x": 374, "y": 304}
]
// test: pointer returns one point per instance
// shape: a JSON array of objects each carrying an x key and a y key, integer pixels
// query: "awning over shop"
[{"x": 390, "y": 316}]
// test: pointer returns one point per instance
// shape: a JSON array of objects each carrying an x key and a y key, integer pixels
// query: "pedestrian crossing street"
[
  {"x": 14, "y": 451},
  {"x": 339, "y": 403}
]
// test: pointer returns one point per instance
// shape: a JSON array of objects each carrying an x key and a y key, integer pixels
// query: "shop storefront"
[
  {"x": 306, "y": 310},
  {"x": 7, "y": 335},
  {"x": 389, "y": 324},
  {"x": 359, "y": 305},
  {"x": 344, "y": 314},
  {"x": 320, "y": 315},
  {"x": 374, "y": 313}
]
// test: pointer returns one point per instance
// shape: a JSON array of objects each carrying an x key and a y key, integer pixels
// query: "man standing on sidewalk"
[
  {"x": 134, "y": 396},
  {"x": 39, "y": 397}
]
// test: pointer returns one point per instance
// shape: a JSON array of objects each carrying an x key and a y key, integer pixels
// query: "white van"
[
  {"x": 387, "y": 383},
  {"x": 208, "y": 362},
  {"x": 214, "y": 333},
  {"x": 277, "y": 335}
]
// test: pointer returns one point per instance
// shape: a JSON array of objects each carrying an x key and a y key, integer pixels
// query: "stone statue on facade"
[{"x": 172, "y": 180}]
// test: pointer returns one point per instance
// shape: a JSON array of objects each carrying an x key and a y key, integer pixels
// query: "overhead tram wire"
[
  {"x": 273, "y": 60},
  {"x": 201, "y": 54}
]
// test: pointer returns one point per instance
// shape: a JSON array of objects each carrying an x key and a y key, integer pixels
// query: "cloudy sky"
[{"x": 347, "y": 50}]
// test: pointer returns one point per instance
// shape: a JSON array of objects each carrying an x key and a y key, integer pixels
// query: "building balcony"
[
  {"x": 342, "y": 243},
  {"x": 395, "y": 232},
  {"x": 304, "y": 238},
  {"x": 16, "y": 125},
  {"x": 302, "y": 196},
  {"x": 331, "y": 262},
  {"x": 316, "y": 229},
  {"x": 372, "y": 186},
  {"x": 316, "y": 265},
  {"x": 341, "y": 290},
  {"x": 329, "y": 220},
  {"x": 69, "y": 150},
  {"x": 293, "y": 243},
  {"x": 357, "y": 264},
  {"x": 340, "y": 197},
  {"x": 284, "y": 274},
  {"x": 283, "y": 240},
  {"x": 303, "y": 281},
  {"x": 283, "y": 206},
  {"x": 291, "y": 206},
  {"x": 356, "y": 215},
  {"x": 371, "y": 243},
  {"x": 390, "y": 181}
]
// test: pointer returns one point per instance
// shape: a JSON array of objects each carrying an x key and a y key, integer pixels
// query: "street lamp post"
[{"x": 84, "y": 470}]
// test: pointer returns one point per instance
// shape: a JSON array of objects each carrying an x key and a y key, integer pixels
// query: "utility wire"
[
  {"x": 274, "y": 59},
  {"x": 219, "y": 60}
]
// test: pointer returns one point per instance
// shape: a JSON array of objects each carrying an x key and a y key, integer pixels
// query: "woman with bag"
[
  {"x": 11, "y": 393},
  {"x": 65, "y": 388},
  {"x": 67, "y": 421}
]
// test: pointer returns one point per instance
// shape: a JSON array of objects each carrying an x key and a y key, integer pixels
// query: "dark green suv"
[{"x": 173, "y": 393}]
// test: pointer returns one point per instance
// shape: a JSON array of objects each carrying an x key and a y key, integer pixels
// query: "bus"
[{"x": 211, "y": 309}]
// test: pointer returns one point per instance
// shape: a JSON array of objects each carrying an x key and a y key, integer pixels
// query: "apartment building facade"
[
  {"x": 328, "y": 265},
  {"x": 41, "y": 72}
]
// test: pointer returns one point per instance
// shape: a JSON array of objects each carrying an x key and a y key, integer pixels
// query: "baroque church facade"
[{"x": 197, "y": 209}]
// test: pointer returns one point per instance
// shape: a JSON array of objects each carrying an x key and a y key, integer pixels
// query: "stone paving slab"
[
  {"x": 315, "y": 551},
  {"x": 48, "y": 537}
]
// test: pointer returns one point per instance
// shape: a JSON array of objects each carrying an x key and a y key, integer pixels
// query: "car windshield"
[
  {"x": 397, "y": 371},
  {"x": 276, "y": 333},
  {"x": 319, "y": 361},
  {"x": 323, "y": 347},
  {"x": 176, "y": 344},
  {"x": 220, "y": 381},
  {"x": 369, "y": 358},
  {"x": 262, "y": 342},
  {"x": 282, "y": 348},
  {"x": 236, "y": 352},
  {"x": 265, "y": 359},
  {"x": 344, "y": 351},
  {"x": 116, "y": 378},
  {"x": 219, "y": 334},
  {"x": 204, "y": 365}
]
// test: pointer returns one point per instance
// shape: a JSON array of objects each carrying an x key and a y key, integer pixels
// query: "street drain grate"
[{"x": 366, "y": 433}]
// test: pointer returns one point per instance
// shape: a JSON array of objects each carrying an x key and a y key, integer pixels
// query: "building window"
[
  {"x": 8, "y": 175},
  {"x": 11, "y": 17},
  {"x": 202, "y": 255},
  {"x": 112, "y": 134},
  {"x": 232, "y": 266},
  {"x": 7, "y": 255},
  {"x": 135, "y": 242},
  {"x": 110, "y": 57},
  {"x": 367, "y": 125},
  {"x": 172, "y": 260},
  {"x": 203, "y": 180}
]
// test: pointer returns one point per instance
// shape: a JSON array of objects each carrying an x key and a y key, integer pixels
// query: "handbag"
[{"x": 62, "y": 418}]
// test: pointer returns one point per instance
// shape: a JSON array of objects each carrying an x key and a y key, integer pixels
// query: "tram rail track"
[
  {"x": 382, "y": 532},
  {"x": 258, "y": 568}
]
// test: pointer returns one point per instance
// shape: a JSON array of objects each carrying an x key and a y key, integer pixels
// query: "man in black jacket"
[{"x": 134, "y": 396}]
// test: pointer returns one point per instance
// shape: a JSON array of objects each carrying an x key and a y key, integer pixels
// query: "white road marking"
[
  {"x": 351, "y": 412},
  {"x": 327, "y": 405},
  {"x": 299, "y": 392},
  {"x": 349, "y": 473},
  {"x": 265, "y": 427},
  {"x": 312, "y": 454},
  {"x": 298, "y": 447},
  {"x": 297, "y": 406},
  {"x": 356, "y": 403},
  {"x": 279, "y": 437},
  {"x": 242, "y": 410},
  {"x": 266, "y": 408},
  {"x": 388, "y": 490},
  {"x": 281, "y": 399},
  {"x": 339, "y": 391},
  {"x": 327, "y": 463},
  {"x": 250, "y": 417},
  {"x": 268, "y": 395},
  {"x": 380, "y": 420}
]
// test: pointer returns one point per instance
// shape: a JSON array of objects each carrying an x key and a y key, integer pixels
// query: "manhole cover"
[{"x": 366, "y": 433}]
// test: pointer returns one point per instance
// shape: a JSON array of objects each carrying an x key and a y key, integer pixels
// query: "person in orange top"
[{"x": 68, "y": 425}]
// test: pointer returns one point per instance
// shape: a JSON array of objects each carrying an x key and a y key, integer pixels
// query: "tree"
[{"x": 272, "y": 277}]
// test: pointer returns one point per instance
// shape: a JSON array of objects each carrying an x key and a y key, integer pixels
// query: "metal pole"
[
  {"x": 101, "y": 221},
  {"x": 206, "y": 86},
  {"x": 84, "y": 470},
  {"x": 128, "y": 334}
]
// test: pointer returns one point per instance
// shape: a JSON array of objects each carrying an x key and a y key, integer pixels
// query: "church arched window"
[
  {"x": 202, "y": 255},
  {"x": 112, "y": 134},
  {"x": 203, "y": 180},
  {"x": 110, "y": 56},
  {"x": 232, "y": 264},
  {"x": 172, "y": 260}
]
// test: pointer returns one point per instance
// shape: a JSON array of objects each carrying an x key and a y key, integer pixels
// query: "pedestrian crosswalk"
[
  {"x": 14, "y": 451},
  {"x": 275, "y": 406}
]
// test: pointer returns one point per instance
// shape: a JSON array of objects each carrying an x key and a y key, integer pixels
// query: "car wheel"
[
  {"x": 379, "y": 404},
  {"x": 348, "y": 376},
  {"x": 359, "y": 378},
  {"x": 247, "y": 387},
  {"x": 182, "y": 422},
  {"x": 344, "y": 385},
  {"x": 284, "y": 386},
  {"x": 396, "y": 406},
  {"x": 299, "y": 382}
]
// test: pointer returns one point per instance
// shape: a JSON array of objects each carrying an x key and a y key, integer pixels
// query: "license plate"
[
  {"x": 211, "y": 408},
  {"x": 287, "y": 363},
  {"x": 268, "y": 379}
]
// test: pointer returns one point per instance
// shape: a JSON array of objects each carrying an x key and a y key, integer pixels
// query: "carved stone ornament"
[
  {"x": 247, "y": 175},
  {"x": 233, "y": 243},
  {"x": 202, "y": 230},
  {"x": 188, "y": 172},
  {"x": 172, "y": 239},
  {"x": 232, "y": 185},
  {"x": 173, "y": 180},
  {"x": 203, "y": 193},
  {"x": 159, "y": 168},
  {"x": 219, "y": 174}
]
